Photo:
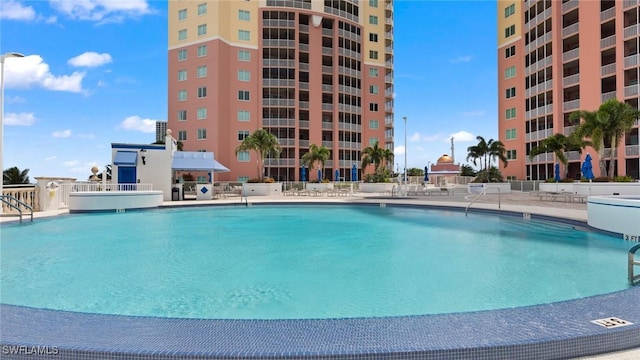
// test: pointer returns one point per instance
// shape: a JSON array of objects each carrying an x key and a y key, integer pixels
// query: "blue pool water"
[{"x": 267, "y": 262}]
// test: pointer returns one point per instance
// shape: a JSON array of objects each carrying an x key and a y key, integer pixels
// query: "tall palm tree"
[
  {"x": 316, "y": 155},
  {"x": 497, "y": 150},
  {"x": 13, "y": 176},
  {"x": 485, "y": 151},
  {"x": 559, "y": 144},
  {"x": 609, "y": 123},
  {"x": 377, "y": 156},
  {"x": 264, "y": 144}
]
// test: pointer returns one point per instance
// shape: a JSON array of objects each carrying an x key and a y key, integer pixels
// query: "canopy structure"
[
  {"x": 195, "y": 160},
  {"x": 126, "y": 158}
]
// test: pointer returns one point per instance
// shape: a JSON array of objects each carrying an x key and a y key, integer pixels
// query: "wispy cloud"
[
  {"x": 462, "y": 136},
  {"x": 136, "y": 123},
  {"x": 21, "y": 119},
  {"x": 90, "y": 59},
  {"x": 32, "y": 71},
  {"x": 101, "y": 11},
  {"x": 14, "y": 10},
  {"x": 61, "y": 133},
  {"x": 461, "y": 59}
]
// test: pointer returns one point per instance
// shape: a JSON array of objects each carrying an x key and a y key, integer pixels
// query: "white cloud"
[
  {"x": 15, "y": 100},
  {"x": 461, "y": 59},
  {"x": 90, "y": 59},
  {"x": 62, "y": 133},
  {"x": 462, "y": 136},
  {"x": 50, "y": 158},
  {"x": 32, "y": 71},
  {"x": 101, "y": 10},
  {"x": 136, "y": 123},
  {"x": 398, "y": 150},
  {"x": 71, "y": 163},
  {"x": 13, "y": 10},
  {"x": 21, "y": 119}
]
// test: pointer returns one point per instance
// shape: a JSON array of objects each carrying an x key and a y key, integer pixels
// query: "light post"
[
  {"x": 405, "y": 152},
  {"x": 2, "y": 57}
]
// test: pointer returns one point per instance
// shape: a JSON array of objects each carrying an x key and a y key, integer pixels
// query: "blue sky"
[{"x": 96, "y": 73}]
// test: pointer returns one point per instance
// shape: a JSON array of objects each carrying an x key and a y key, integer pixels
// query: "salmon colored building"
[
  {"x": 557, "y": 57},
  {"x": 310, "y": 72}
]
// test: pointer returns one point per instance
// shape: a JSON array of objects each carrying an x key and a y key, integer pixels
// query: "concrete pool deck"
[{"x": 559, "y": 330}]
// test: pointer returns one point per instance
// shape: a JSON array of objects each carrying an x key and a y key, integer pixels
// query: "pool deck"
[{"x": 562, "y": 330}]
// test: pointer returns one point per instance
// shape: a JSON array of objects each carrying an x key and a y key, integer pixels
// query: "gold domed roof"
[{"x": 445, "y": 159}]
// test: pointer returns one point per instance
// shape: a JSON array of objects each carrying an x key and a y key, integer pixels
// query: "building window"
[
  {"x": 243, "y": 134},
  {"x": 202, "y": 9},
  {"x": 202, "y": 50},
  {"x": 182, "y": 75},
  {"x": 182, "y": 14},
  {"x": 510, "y": 72},
  {"x": 244, "y": 15},
  {"x": 243, "y": 95},
  {"x": 243, "y": 156},
  {"x": 373, "y": 89},
  {"x": 244, "y": 55},
  {"x": 202, "y": 92},
  {"x": 202, "y": 134},
  {"x": 373, "y": 20},
  {"x": 373, "y": 141},
  {"x": 373, "y": 106},
  {"x": 373, "y": 54},
  {"x": 182, "y": 95},
  {"x": 373, "y": 3},
  {"x": 374, "y": 124},
  {"x": 510, "y": 134},
  {"x": 511, "y": 155},
  {"x": 509, "y": 10},
  {"x": 202, "y": 71},
  {"x": 243, "y": 179},
  {"x": 182, "y": 34},
  {"x": 373, "y": 37},
  {"x": 182, "y": 55},
  {"x": 511, "y": 92},
  {"x": 511, "y": 30},
  {"x": 244, "y": 115},
  {"x": 244, "y": 75},
  {"x": 202, "y": 29},
  {"x": 182, "y": 115},
  {"x": 182, "y": 135},
  {"x": 202, "y": 113},
  {"x": 244, "y": 35},
  {"x": 373, "y": 72},
  {"x": 510, "y": 51},
  {"x": 511, "y": 113}
]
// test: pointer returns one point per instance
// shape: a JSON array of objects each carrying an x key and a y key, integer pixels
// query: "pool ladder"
[
  {"x": 8, "y": 199},
  {"x": 634, "y": 278},
  {"x": 484, "y": 191}
]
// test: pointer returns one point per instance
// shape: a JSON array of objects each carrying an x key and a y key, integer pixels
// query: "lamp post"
[
  {"x": 2, "y": 57},
  {"x": 405, "y": 152}
]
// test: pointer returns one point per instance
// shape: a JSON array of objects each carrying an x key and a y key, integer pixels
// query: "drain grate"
[{"x": 611, "y": 322}]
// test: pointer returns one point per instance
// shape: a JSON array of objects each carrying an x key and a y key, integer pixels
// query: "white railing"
[
  {"x": 631, "y": 60},
  {"x": 609, "y": 95},
  {"x": 608, "y": 41},
  {"x": 569, "y": 5},
  {"x": 608, "y": 69},
  {"x": 570, "y": 80},
  {"x": 631, "y": 90},
  {"x": 629, "y": 3},
  {"x": 632, "y": 150},
  {"x": 28, "y": 195},
  {"x": 85, "y": 187},
  {"x": 571, "y": 105},
  {"x": 571, "y": 29},
  {"x": 630, "y": 31},
  {"x": 608, "y": 14},
  {"x": 571, "y": 54}
]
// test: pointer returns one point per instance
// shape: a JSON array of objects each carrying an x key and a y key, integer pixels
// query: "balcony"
[
  {"x": 631, "y": 150},
  {"x": 304, "y": 104},
  {"x": 570, "y": 80},
  {"x": 608, "y": 96},
  {"x": 278, "y": 83},
  {"x": 278, "y": 102},
  {"x": 349, "y": 127},
  {"x": 304, "y": 85},
  {"x": 327, "y": 51},
  {"x": 631, "y": 61},
  {"x": 608, "y": 69},
  {"x": 279, "y": 63},
  {"x": 571, "y": 105},
  {"x": 305, "y": 125},
  {"x": 327, "y": 88},
  {"x": 570, "y": 30},
  {"x": 327, "y": 125},
  {"x": 631, "y": 90},
  {"x": 568, "y": 130},
  {"x": 608, "y": 41},
  {"x": 573, "y": 155},
  {"x": 569, "y": 5},
  {"x": 327, "y": 69},
  {"x": 571, "y": 54},
  {"x": 281, "y": 23},
  {"x": 279, "y": 162},
  {"x": 328, "y": 144},
  {"x": 278, "y": 43},
  {"x": 631, "y": 31},
  {"x": 278, "y": 122},
  {"x": 546, "y": 157},
  {"x": 608, "y": 14},
  {"x": 303, "y": 143},
  {"x": 629, "y": 3},
  {"x": 327, "y": 107}
]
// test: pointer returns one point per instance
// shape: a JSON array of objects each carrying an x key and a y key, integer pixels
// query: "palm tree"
[
  {"x": 377, "y": 156},
  {"x": 559, "y": 144},
  {"x": 486, "y": 151},
  {"x": 497, "y": 150},
  {"x": 316, "y": 155},
  {"x": 264, "y": 144},
  {"x": 13, "y": 176},
  {"x": 609, "y": 124}
]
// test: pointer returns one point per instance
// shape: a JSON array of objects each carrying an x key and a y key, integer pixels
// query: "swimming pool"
[
  {"x": 293, "y": 262},
  {"x": 562, "y": 329}
]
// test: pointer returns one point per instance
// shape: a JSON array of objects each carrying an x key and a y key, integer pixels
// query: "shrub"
[
  {"x": 623, "y": 179},
  {"x": 601, "y": 179}
]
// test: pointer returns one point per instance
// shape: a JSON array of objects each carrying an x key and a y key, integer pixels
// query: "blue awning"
[
  {"x": 196, "y": 160},
  {"x": 126, "y": 158}
]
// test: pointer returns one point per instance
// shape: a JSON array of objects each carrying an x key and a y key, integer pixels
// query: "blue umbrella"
[
  {"x": 319, "y": 175},
  {"x": 354, "y": 173},
  {"x": 426, "y": 174},
  {"x": 556, "y": 176},
  {"x": 587, "y": 168},
  {"x": 337, "y": 175},
  {"x": 303, "y": 174}
]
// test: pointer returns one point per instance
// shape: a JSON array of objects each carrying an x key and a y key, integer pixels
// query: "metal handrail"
[
  {"x": 476, "y": 198},
  {"x": 244, "y": 194},
  {"x": 4, "y": 198},
  {"x": 633, "y": 279}
]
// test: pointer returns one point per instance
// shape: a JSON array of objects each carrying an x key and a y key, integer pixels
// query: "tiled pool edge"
[{"x": 552, "y": 331}]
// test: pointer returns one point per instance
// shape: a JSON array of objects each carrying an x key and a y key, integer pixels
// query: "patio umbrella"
[
  {"x": 557, "y": 173},
  {"x": 587, "y": 168},
  {"x": 426, "y": 175},
  {"x": 354, "y": 173},
  {"x": 319, "y": 175},
  {"x": 337, "y": 175},
  {"x": 303, "y": 174}
]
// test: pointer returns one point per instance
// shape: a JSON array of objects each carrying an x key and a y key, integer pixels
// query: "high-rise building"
[
  {"x": 557, "y": 57},
  {"x": 161, "y": 130},
  {"x": 310, "y": 72}
]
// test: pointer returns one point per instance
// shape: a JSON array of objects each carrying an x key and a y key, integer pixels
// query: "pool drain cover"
[{"x": 611, "y": 322}]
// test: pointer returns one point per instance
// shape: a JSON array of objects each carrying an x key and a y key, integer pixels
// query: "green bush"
[{"x": 623, "y": 179}]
